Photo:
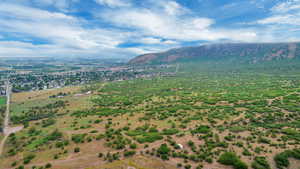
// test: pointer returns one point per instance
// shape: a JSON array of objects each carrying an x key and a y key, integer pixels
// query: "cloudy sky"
[{"x": 126, "y": 28}]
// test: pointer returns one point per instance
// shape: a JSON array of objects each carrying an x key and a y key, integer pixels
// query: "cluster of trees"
[{"x": 37, "y": 113}]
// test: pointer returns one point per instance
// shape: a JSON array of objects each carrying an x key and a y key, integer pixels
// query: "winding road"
[{"x": 7, "y": 130}]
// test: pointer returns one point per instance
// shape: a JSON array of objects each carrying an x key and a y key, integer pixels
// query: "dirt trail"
[{"x": 7, "y": 130}]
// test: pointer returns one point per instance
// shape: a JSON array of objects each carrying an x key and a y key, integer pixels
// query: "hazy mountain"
[{"x": 233, "y": 52}]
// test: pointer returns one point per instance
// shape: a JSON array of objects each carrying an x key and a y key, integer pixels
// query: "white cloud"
[
  {"x": 54, "y": 27},
  {"x": 183, "y": 28},
  {"x": 170, "y": 42},
  {"x": 158, "y": 25},
  {"x": 173, "y": 8},
  {"x": 284, "y": 13},
  {"x": 17, "y": 12},
  {"x": 287, "y": 6},
  {"x": 113, "y": 3},
  {"x": 150, "y": 40},
  {"x": 281, "y": 19},
  {"x": 63, "y": 34}
]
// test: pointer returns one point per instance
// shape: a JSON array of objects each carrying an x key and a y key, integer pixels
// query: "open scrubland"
[{"x": 209, "y": 115}]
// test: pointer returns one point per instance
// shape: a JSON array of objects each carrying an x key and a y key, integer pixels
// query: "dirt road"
[{"x": 7, "y": 130}]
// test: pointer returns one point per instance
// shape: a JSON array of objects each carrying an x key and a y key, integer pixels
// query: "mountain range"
[{"x": 231, "y": 52}]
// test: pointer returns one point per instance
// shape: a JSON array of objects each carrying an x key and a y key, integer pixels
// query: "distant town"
[{"x": 29, "y": 78}]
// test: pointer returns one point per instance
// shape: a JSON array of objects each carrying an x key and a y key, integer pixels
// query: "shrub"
[
  {"x": 171, "y": 131},
  {"x": 201, "y": 129},
  {"x": 230, "y": 158},
  {"x": 240, "y": 165},
  {"x": 129, "y": 153},
  {"x": 55, "y": 135},
  {"x": 28, "y": 158},
  {"x": 48, "y": 165},
  {"x": 48, "y": 122},
  {"x": 13, "y": 164},
  {"x": 59, "y": 144},
  {"x": 246, "y": 152},
  {"x": 237, "y": 129},
  {"x": 282, "y": 160},
  {"x": 133, "y": 146},
  {"x": 78, "y": 138},
  {"x": 76, "y": 150},
  {"x": 163, "y": 151},
  {"x": 188, "y": 166},
  {"x": 100, "y": 155},
  {"x": 20, "y": 167},
  {"x": 260, "y": 163},
  {"x": 149, "y": 138}
]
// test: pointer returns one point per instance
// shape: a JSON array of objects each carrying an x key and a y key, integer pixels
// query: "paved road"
[{"x": 7, "y": 130}]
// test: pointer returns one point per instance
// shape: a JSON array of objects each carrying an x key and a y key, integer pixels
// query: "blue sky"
[{"x": 126, "y": 28}]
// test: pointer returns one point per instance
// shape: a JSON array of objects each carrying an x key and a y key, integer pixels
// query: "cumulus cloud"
[
  {"x": 287, "y": 6},
  {"x": 113, "y": 3},
  {"x": 150, "y": 40},
  {"x": 282, "y": 23},
  {"x": 169, "y": 7},
  {"x": 173, "y": 8},
  {"x": 59, "y": 31},
  {"x": 60, "y": 5},
  {"x": 40, "y": 24},
  {"x": 49, "y": 28},
  {"x": 184, "y": 28},
  {"x": 282, "y": 19},
  {"x": 287, "y": 12}
]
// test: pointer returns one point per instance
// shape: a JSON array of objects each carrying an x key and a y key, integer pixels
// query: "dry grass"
[{"x": 43, "y": 94}]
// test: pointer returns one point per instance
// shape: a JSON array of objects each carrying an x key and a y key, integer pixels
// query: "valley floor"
[{"x": 196, "y": 119}]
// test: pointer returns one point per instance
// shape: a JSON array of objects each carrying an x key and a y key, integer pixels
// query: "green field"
[{"x": 2, "y": 101}]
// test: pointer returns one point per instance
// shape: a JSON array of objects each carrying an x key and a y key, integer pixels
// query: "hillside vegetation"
[{"x": 235, "y": 52}]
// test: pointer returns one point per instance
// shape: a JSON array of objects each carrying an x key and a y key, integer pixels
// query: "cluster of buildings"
[
  {"x": 40, "y": 81},
  {"x": 36, "y": 80}
]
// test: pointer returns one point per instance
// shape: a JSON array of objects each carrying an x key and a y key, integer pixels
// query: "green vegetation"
[
  {"x": 230, "y": 114},
  {"x": 260, "y": 163},
  {"x": 2, "y": 101},
  {"x": 37, "y": 113},
  {"x": 2, "y": 111},
  {"x": 230, "y": 158},
  {"x": 282, "y": 159}
]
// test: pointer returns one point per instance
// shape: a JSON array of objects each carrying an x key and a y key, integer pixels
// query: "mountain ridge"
[{"x": 234, "y": 52}]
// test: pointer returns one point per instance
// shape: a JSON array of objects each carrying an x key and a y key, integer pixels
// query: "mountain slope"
[{"x": 235, "y": 52}]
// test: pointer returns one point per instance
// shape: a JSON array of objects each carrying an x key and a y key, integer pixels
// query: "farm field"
[{"x": 206, "y": 116}]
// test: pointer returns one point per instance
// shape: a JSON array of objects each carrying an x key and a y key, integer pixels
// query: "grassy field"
[
  {"x": 2, "y": 101},
  {"x": 204, "y": 117},
  {"x": 2, "y": 111},
  {"x": 24, "y": 102}
]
